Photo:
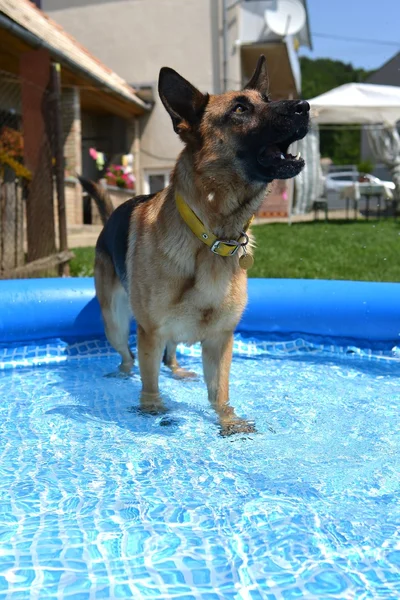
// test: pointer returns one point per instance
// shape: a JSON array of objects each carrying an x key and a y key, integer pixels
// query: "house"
[
  {"x": 387, "y": 74},
  {"x": 98, "y": 107},
  {"x": 213, "y": 43}
]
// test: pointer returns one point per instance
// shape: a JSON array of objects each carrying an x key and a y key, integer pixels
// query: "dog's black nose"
[
  {"x": 290, "y": 108},
  {"x": 301, "y": 107}
]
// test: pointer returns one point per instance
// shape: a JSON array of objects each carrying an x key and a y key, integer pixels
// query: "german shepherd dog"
[{"x": 177, "y": 260}]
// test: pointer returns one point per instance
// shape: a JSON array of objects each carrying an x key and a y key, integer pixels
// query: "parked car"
[{"x": 335, "y": 182}]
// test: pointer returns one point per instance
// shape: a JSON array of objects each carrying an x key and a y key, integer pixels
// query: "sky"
[{"x": 373, "y": 20}]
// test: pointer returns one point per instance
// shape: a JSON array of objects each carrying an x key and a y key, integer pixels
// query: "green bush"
[
  {"x": 365, "y": 166},
  {"x": 83, "y": 263}
]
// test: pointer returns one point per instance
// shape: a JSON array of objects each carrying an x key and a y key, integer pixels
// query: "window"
[
  {"x": 343, "y": 177},
  {"x": 155, "y": 181}
]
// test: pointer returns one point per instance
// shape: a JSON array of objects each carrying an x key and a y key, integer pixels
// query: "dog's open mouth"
[
  {"x": 266, "y": 153},
  {"x": 277, "y": 160}
]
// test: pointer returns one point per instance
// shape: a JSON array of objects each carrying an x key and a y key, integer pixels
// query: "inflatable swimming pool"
[{"x": 100, "y": 501}]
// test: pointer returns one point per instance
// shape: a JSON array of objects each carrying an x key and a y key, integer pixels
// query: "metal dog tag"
[{"x": 246, "y": 261}]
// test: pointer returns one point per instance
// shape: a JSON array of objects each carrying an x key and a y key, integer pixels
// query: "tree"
[{"x": 321, "y": 75}]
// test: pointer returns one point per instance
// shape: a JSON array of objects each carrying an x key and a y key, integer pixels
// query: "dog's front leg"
[
  {"x": 217, "y": 358},
  {"x": 150, "y": 351}
]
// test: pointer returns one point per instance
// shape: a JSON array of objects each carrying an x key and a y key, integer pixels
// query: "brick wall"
[
  {"x": 276, "y": 201},
  {"x": 72, "y": 130},
  {"x": 71, "y": 117},
  {"x": 73, "y": 204},
  {"x": 118, "y": 196}
]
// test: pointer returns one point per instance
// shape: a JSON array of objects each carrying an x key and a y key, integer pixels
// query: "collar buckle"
[
  {"x": 235, "y": 246},
  {"x": 231, "y": 243}
]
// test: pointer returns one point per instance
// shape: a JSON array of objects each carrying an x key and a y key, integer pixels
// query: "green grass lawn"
[
  {"x": 82, "y": 264},
  {"x": 362, "y": 250}
]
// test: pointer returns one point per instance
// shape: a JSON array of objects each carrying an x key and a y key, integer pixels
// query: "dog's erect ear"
[
  {"x": 259, "y": 80},
  {"x": 184, "y": 103}
]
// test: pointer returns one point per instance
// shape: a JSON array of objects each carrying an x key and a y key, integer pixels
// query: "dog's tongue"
[{"x": 269, "y": 154}]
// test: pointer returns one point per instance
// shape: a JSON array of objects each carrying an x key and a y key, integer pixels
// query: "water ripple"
[{"x": 99, "y": 501}]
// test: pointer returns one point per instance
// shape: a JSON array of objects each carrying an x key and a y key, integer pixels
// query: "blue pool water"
[{"x": 99, "y": 501}]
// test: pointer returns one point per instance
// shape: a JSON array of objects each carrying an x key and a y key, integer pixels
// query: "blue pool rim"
[{"x": 40, "y": 309}]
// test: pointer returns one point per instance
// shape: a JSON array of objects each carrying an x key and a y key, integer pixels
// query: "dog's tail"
[{"x": 100, "y": 196}]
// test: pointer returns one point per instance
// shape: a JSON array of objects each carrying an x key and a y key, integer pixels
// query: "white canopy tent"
[
  {"x": 361, "y": 103},
  {"x": 376, "y": 106}
]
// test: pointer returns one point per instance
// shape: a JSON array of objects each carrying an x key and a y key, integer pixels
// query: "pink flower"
[{"x": 93, "y": 153}]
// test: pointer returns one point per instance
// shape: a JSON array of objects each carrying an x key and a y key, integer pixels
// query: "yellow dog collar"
[{"x": 216, "y": 245}]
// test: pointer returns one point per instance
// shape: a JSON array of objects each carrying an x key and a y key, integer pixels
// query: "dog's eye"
[{"x": 239, "y": 108}]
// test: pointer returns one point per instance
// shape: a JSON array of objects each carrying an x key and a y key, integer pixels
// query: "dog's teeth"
[
  {"x": 298, "y": 156},
  {"x": 282, "y": 157}
]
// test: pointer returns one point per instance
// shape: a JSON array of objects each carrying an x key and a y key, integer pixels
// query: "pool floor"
[{"x": 100, "y": 501}]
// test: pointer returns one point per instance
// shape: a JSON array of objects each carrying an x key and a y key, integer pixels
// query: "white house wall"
[{"x": 136, "y": 38}]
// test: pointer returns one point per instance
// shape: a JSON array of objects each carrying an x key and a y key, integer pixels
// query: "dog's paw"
[
  {"x": 126, "y": 367},
  {"x": 235, "y": 426},
  {"x": 152, "y": 404},
  {"x": 180, "y": 373}
]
